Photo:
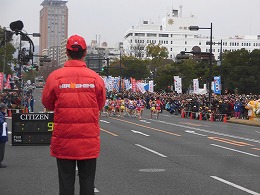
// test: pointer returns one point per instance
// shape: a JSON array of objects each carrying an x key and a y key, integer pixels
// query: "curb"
[{"x": 244, "y": 122}]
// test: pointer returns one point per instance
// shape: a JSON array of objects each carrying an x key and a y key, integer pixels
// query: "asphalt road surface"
[{"x": 168, "y": 156}]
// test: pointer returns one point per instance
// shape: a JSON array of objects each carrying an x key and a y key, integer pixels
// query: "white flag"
[
  {"x": 151, "y": 86},
  {"x": 195, "y": 85}
]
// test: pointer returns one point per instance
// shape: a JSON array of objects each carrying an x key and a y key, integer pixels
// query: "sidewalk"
[{"x": 244, "y": 122}]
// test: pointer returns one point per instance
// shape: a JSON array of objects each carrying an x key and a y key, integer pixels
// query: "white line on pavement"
[
  {"x": 150, "y": 150},
  {"x": 193, "y": 132},
  {"x": 145, "y": 121},
  {"x": 139, "y": 132},
  {"x": 235, "y": 185},
  {"x": 235, "y": 150},
  {"x": 104, "y": 121},
  {"x": 207, "y": 131}
]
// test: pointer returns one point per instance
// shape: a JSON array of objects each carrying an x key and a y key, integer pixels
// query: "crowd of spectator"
[
  {"x": 18, "y": 99},
  {"x": 231, "y": 105}
]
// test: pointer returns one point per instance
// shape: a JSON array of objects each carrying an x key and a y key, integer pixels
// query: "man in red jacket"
[{"x": 76, "y": 94}]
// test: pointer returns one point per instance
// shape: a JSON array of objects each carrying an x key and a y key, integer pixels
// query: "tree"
[
  {"x": 6, "y": 53},
  {"x": 157, "y": 53},
  {"x": 241, "y": 71},
  {"x": 130, "y": 67}
]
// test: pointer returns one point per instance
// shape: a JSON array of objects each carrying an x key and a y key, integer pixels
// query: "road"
[{"x": 168, "y": 156}]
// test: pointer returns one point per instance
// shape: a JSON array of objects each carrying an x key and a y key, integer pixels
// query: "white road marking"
[
  {"x": 166, "y": 115},
  {"x": 150, "y": 150},
  {"x": 145, "y": 121},
  {"x": 104, "y": 121},
  {"x": 257, "y": 131},
  {"x": 193, "y": 132},
  {"x": 235, "y": 150},
  {"x": 207, "y": 131},
  {"x": 235, "y": 185},
  {"x": 134, "y": 131}
]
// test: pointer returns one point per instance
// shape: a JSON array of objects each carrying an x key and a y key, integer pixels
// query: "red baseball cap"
[{"x": 74, "y": 42}]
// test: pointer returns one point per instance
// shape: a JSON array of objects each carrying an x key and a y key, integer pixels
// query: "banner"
[
  {"x": 217, "y": 85},
  {"x": 113, "y": 83},
  {"x": 7, "y": 82},
  {"x": 140, "y": 87},
  {"x": 133, "y": 81},
  {"x": 151, "y": 87},
  {"x": 195, "y": 85},
  {"x": 177, "y": 84},
  {"x": 1, "y": 81},
  {"x": 127, "y": 84}
]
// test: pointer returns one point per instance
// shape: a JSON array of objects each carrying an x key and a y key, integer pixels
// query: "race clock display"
[{"x": 32, "y": 128}]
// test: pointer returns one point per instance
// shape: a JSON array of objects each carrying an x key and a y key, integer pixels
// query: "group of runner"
[{"x": 133, "y": 107}]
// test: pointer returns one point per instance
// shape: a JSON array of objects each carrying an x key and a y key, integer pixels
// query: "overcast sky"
[{"x": 112, "y": 18}]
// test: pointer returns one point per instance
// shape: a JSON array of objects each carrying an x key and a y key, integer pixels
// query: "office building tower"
[{"x": 53, "y": 24}]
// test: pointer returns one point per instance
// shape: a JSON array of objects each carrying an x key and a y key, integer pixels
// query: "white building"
[{"x": 174, "y": 34}]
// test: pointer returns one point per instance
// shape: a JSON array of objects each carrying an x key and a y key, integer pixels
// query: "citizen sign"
[{"x": 32, "y": 117}]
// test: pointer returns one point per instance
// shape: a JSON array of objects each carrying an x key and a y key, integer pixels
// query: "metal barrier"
[{"x": 10, "y": 111}]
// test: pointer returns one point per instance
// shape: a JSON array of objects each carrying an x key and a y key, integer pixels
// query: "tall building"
[
  {"x": 53, "y": 24},
  {"x": 174, "y": 34}
]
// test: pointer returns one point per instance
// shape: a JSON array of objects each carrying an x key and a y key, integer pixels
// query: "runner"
[
  {"x": 158, "y": 107},
  {"x": 152, "y": 106}
]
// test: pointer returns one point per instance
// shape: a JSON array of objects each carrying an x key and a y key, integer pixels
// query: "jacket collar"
[{"x": 74, "y": 63}]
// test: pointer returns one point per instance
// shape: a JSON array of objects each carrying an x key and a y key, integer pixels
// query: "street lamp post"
[
  {"x": 195, "y": 28},
  {"x": 17, "y": 28},
  {"x": 220, "y": 58}
]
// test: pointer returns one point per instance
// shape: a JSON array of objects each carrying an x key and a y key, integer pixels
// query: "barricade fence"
[
  {"x": 12, "y": 111},
  {"x": 204, "y": 116}
]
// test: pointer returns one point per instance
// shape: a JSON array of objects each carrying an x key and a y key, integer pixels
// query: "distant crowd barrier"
[
  {"x": 204, "y": 116},
  {"x": 10, "y": 112}
]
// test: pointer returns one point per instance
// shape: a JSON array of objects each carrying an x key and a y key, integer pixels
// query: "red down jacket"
[{"x": 76, "y": 94}]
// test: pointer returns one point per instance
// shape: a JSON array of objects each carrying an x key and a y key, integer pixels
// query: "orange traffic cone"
[
  {"x": 200, "y": 118},
  {"x": 191, "y": 115},
  {"x": 9, "y": 113},
  {"x": 182, "y": 113},
  {"x": 225, "y": 118},
  {"x": 211, "y": 117}
]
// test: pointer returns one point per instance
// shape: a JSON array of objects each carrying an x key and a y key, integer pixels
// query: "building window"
[
  {"x": 151, "y": 35},
  {"x": 139, "y": 34},
  {"x": 163, "y": 35}
]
